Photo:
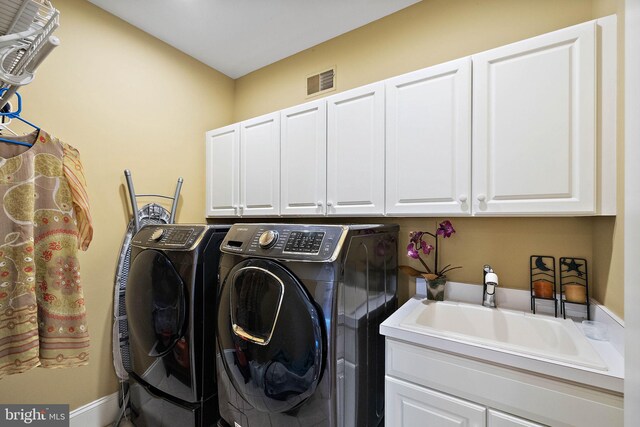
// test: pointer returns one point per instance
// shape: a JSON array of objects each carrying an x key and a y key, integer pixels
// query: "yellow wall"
[
  {"x": 504, "y": 243},
  {"x": 432, "y": 32},
  {"x": 427, "y": 33},
  {"x": 125, "y": 100}
]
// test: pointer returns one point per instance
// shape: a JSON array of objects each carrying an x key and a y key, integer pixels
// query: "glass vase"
[{"x": 435, "y": 288}]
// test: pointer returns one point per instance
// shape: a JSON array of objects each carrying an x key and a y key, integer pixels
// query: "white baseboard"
[{"x": 99, "y": 413}]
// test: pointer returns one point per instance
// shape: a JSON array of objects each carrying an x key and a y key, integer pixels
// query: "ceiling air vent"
[{"x": 321, "y": 82}]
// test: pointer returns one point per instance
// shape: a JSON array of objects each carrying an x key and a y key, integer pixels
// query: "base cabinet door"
[
  {"x": 500, "y": 419},
  {"x": 409, "y": 405}
]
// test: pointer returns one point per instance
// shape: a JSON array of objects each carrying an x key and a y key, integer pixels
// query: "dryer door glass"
[
  {"x": 156, "y": 308},
  {"x": 270, "y": 335}
]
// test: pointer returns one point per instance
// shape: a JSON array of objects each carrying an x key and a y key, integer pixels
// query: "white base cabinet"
[
  {"x": 415, "y": 406},
  {"x": 426, "y": 387},
  {"x": 500, "y": 419},
  {"x": 409, "y": 405}
]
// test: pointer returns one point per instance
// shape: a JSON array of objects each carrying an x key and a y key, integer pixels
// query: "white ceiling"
[{"x": 239, "y": 36}]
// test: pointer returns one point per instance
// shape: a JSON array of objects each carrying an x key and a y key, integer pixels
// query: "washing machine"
[
  {"x": 298, "y": 316},
  {"x": 171, "y": 299}
]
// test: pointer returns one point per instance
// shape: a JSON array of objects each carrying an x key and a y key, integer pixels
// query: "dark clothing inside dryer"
[{"x": 283, "y": 379}]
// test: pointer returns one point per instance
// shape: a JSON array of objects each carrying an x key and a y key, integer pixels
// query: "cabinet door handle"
[
  {"x": 329, "y": 204},
  {"x": 235, "y": 209},
  {"x": 462, "y": 198},
  {"x": 319, "y": 203},
  {"x": 482, "y": 197}
]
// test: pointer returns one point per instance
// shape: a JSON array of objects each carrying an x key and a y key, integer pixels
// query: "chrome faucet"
[{"x": 489, "y": 283}]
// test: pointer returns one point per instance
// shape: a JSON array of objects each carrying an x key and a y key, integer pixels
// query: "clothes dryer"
[
  {"x": 298, "y": 318},
  {"x": 171, "y": 304}
]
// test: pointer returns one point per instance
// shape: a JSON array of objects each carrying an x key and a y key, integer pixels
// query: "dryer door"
[
  {"x": 270, "y": 336},
  {"x": 157, "y": 315}
]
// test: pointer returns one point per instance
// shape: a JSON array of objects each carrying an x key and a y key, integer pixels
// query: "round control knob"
[
  {"x": 268, "y": 239},
  {"x": 157, "y": 234}
]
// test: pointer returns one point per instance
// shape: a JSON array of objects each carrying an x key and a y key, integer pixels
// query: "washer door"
[
  {"x": 156, "y": 307},
  {"x": 270, "y": 336}
]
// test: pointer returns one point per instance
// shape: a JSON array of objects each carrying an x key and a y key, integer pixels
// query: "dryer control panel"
[
  {"x": 169, "y": 236},
  {"x": 286, "y": 241}
]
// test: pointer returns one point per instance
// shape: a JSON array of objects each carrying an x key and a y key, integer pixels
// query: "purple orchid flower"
[
  {"x": 445, "y": 229},
  {"x": 416, "y": 236},
  {"x": 412, "y": 252},
  {"x": 426, "y": 249}
]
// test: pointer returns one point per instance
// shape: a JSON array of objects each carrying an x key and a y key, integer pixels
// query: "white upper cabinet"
[
  {"x": 428, "y": 141},
  {"x": 260, "y": 166},
  {"x": 304, "y": 159},
  {"x": 524, "y": 129},
  {"x": 355, "y": 151},
  {"x": 534, "y": 117},
  {"x": 223, "y": 171}
]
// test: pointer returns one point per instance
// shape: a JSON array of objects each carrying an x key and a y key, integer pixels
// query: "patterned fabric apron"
[{"x": 42, "y": 312}]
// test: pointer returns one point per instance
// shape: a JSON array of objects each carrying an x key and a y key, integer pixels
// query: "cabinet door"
[
  {"x": 304, "y": 159},
  {"x": 355, "y": 152},
  {"x": 500, "y": 419},
  {"x": 260, "y": 166},
  {"x": 222, "y": 171},
  {"x": 428, "y": 144},
  {"x": 534, "y": 125},
  {"x": 409, "y": 405}
]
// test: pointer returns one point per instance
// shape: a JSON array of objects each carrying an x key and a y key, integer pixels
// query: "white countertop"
[{"x": 610, "y": 351}]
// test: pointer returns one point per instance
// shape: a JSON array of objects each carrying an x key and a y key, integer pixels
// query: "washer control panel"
[
  {"x": 286, "y": 241},
  {"x": 165, "y": 236}
]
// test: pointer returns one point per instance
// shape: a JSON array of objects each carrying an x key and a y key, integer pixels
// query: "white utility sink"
[{"x": 515, "y": 331}]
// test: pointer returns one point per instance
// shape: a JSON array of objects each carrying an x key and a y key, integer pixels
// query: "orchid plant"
[{"x": 418, "y": 244}]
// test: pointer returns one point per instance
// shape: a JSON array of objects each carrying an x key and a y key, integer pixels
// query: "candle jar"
[
  {"x": 575, "y": 293},
  {"x": 542, "y": 289}
]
